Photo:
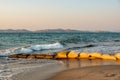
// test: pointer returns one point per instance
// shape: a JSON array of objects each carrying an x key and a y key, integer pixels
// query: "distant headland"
[{"x": 45, "y": 31}]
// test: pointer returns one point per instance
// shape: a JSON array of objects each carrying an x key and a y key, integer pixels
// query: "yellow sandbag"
[
  {"x": 108, "y": 57},
  {"x": 48, "y": 57},
  {"x": 31, "y": 56},
  {"x": 72, "y": 55},
  {"x": 117, "y": 55},
  {"x": 95, "y": 56},
  {"x": 13, "y": 56},
  {"x": 40, "y": 56},
  {"x": 61, "y": 55},
  {"x": 21, "y": 56},
  {"x": 84, "y": 56}
]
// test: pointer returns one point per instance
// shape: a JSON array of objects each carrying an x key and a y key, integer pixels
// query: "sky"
[{"x": 87, "y": 15}]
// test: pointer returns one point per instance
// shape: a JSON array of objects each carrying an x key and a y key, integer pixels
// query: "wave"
[
  {"x": 80, "y": 47},
  {"x": 71, "y": 40},
  {"x": 46, "y": 46},
  {"x": 117, "y": 40},
  {"x": 57, "y": 47},
  {"x": 34, "y": 48},
  {"x": 31, "y": 49}
]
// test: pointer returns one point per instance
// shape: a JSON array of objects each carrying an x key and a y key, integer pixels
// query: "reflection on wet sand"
[{"x": 76, "y": 63}]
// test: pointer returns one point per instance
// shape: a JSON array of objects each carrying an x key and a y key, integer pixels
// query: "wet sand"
[
  {"x": 29, "y": 69},
  {"x": 72, "y": 69},
  {"x": 40, "y": 73},
  {"x": 104, "y": 72},
  {"x": 76, "y": 63}
]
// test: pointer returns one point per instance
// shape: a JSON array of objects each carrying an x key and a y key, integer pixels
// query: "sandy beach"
[
  {"x": 71, "y": 70},
  {"x": 39, "y": 73},
  {"x": 104, "y": 72},
  {"x": 36, "y": 69},
  {"x": 29, "y": 69}
]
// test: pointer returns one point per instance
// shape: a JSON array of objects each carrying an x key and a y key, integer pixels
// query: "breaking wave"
[{"x": 31, "y": 49}]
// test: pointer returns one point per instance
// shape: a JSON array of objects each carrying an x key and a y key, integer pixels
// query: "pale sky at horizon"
[{"x": 89, "y": 15}]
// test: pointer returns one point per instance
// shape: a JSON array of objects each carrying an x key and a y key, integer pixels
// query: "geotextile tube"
[{"x": 70, "y": 55}]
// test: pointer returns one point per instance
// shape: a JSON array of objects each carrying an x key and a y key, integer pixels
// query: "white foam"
[
  {"x": 25, "y": 50},
  {"x": 11, "y": 71},
  {"x": 39, "y": 48},
  {"x": 46, "y": 46},
  {"x": 36, "y": 47},
  {"x": 1, "y": 71},
  {"x": 30, "y": 49}
]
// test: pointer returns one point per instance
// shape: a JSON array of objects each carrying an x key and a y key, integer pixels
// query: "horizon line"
[{"x": 59, "y": 29}]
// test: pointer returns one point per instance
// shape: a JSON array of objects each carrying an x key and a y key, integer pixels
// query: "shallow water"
[
  {"x": 10, "y": 67},
  {"x": 74, "y": 63}
]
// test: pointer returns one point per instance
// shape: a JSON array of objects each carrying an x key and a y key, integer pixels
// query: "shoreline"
[
  {"x": 29, "y": 69},
  {"x": 36, "y": 69},
  {"x": 39, "y": 73},
  {"x": 103, "y": 72}
]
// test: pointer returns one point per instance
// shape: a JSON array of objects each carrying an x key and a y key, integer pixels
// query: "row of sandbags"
[
  {"x": 37, "y": 56},
  {"x": 70, "y": 55}
]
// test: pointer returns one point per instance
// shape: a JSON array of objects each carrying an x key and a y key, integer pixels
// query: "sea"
[
  {"x": 52, "y": 43},
  {"x": 37, "y": 43}
]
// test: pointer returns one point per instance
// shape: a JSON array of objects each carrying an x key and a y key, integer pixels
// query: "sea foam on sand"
[{"x": 22, "y": 69}]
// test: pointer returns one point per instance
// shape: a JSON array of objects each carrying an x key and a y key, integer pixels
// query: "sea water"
[{"x": 35, "y": 43}]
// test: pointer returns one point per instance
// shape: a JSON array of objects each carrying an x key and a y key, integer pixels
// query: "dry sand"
[{"x": 104, "y": 72}]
